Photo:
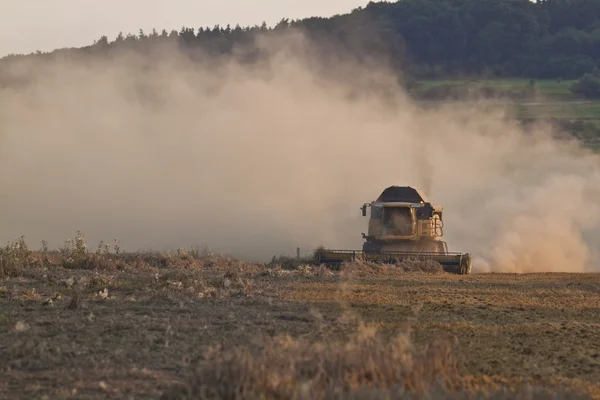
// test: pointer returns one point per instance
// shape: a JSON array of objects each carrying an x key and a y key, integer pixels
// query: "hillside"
[
  {"x": 526, "y": 52},
  {"x": 430, "y": 38}
]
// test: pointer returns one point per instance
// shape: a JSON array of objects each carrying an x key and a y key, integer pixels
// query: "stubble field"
[{"x": 201, "y": 326}]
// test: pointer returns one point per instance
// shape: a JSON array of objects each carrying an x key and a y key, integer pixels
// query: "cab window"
[{"x": 376, "y": 212}]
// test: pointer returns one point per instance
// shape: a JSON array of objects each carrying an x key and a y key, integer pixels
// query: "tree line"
[{"x": 558, "y": 39}]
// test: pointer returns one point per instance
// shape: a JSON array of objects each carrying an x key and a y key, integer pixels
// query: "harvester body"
[{"x": 403, "y": 224}]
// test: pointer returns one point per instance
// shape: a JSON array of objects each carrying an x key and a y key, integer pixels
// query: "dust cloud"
[{"x": 256, "y": 160}]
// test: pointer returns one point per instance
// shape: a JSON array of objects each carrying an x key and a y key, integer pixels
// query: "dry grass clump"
[
  {"x": 184, "y": 259},
  {"x": 322, "y": 271},
  {"x": 365, "y": 269},
  {"x": 101, "y": 281},
  {"x": 14, "y": 258},
  {"x": 292, "y": 263},
  {"x": 421, "y": 265},
  {"x": 162, "y": 260},
  {"x": 94, "y": 262},
  {"x": 276, "y": 272},
  {"x": 306, "y": 271},
  {"x": 292, "y": 369},
  {"x": 202, "y": 284},
  {"x": 30, "y": 294},
  {"x": 231, "y": 282},
  {"x": 371, "y": 270},
  {"x": 17, "y": 260},
  {"x": 364, "y": 365}
]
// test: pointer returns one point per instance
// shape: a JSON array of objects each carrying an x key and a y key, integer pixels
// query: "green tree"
[{"x": 588, "y": 85}]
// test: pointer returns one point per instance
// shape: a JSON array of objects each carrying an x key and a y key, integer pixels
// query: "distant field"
[
  {"x": 546, "y": 87},
  {"x": 554, "y": 101},
  {"x": 115, "y": 326},
  {"x": 587, "y": 110}
]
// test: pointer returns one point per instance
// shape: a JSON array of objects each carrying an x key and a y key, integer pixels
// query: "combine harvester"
[{"x": 403, "y": 225}]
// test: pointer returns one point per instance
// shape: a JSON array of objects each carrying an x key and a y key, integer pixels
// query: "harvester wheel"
[
  {"x": 465, "y": 264},
  {"x": 370, "y": 248}
]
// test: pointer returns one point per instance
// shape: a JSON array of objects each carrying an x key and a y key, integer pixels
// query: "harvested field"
[{"x": 200, "y": 326}]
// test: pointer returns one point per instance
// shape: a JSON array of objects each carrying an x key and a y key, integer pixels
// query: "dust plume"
[
  {"x": 258, "y": 159},
  {"x": 423, "y": 165}
]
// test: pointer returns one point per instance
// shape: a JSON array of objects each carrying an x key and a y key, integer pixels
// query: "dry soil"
[{"x": 140, "y": 327}]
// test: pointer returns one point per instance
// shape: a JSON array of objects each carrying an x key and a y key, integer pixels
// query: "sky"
[{"x": 30, "y": 25}]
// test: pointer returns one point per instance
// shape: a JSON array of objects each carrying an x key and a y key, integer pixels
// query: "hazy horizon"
[{"x": 71, "y": 23}]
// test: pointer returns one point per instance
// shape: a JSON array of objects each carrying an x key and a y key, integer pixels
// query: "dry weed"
[
  {"x": 365, "y": 269},
  {"x": 322, "y": 271},
  {"x": 201, "y": 284},
  {"x": 366, "y": 365},
  {"x": 94, "y": 262},
  {"x": 421, "y": 265},
  {"x": 101, "y": 281},
  {"x": 290, "y": 368},
  {"x": 30, "y": 294},
  {"x": 371, "y": 270},
  {"x": 275, "y": 272}
]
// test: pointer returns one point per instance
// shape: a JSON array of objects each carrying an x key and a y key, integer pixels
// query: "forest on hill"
[{"x": 427, "y": 39}]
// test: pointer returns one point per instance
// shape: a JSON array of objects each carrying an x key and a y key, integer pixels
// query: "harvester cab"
[
  {"x": 403, "y": 224},
  {"x": 403, "y": 219}
]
